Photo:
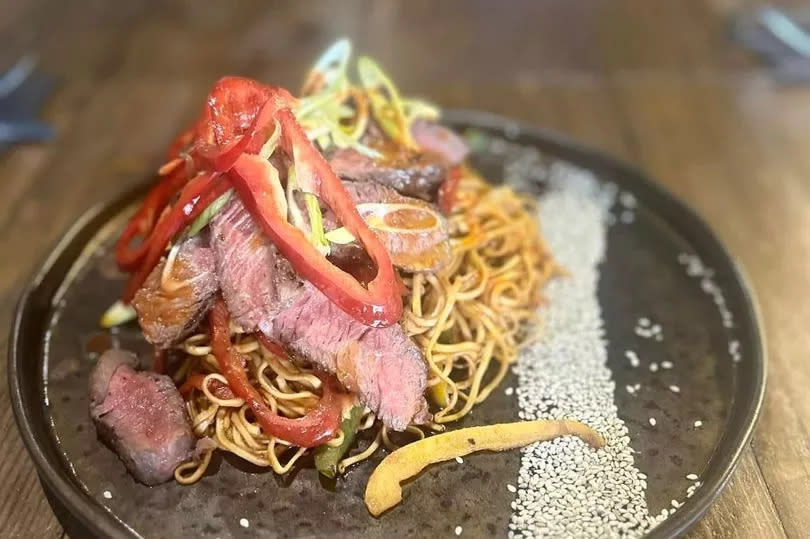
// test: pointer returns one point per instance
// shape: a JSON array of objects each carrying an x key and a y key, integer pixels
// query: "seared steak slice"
[
  {"x": 256, "y": 281},
  {"x": 382, "y": 365},
  {"x": 166, "y": 315},
  {"x": 412, "y": 173},
  {"x": 263, "y": 293},
  {"x": 439, "y": 140},
  {"x": 364, "y": 191},
  {"x": 141, "y": 416}
]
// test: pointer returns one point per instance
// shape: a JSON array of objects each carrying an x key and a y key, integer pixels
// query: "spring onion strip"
[
  {"x": 416, "y": 108},
  {"x": 317, "y": 236},
  {"x": 330, "y": 69},
  {"x": 270, "y": 146},
  {"x": 388, "y": 109},
  {"x": 295, "y": 215},
  {"x": 208, "y": 213},
  {"x": 118, "y": 313}
]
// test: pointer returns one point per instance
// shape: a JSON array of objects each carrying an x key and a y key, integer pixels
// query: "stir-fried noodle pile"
[{"x": 468, "y": 318}]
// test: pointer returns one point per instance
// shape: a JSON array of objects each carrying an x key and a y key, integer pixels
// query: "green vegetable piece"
[
  {"x": 208, "y": 213},
  {"x": 317, "y": 237},
  {"x": 329, "y": 70},
  {"x": 327, "y": 457}
]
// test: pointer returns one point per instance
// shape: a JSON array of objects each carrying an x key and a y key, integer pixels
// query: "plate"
[{"x": 662, "y": 262}]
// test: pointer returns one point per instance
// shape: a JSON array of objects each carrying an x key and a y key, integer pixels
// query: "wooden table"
[{"x": 655, "y": 83}]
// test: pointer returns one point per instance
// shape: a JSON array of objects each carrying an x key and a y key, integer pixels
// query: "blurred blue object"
[
  {"x": 781, "y": 37},
  {"x": 22, "y": 92}
]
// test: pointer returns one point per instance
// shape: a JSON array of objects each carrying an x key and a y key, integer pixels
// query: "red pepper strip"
[
  {"x": 318, "y": 426},
  {"x": 159, "y": 361},
  {"x": 182, "y": 141},
  {"x": 448, "y": 190},
  {"x": 195, "y": 381},
  {"x": 378, "y": 305},
  {"x": 230, "y": 103},
  {"x": 197, "y": 195},
  {"x": 402, "y": 287},
  {"x": 142, "y": 223},
  {"x": 274, "y": 347}
]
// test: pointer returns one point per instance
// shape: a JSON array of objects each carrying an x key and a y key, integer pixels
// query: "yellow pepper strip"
[
  {"x": 438, "y": 393},
  {"x": 384, "y": 491}
]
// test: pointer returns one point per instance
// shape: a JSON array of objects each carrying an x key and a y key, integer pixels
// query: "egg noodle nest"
[{"x": 469, "y": 319}]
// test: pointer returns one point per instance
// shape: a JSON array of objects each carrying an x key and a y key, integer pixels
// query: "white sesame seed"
[
  {"x": 627, "y": 200},
  {"x": 458, "y": 530},
  {"x": 107, "y": 494},
  {"x": 691, "y": 477},
  {"x": 652, "y": 421},
  {"x": 698, "y": 424},
  {"x": 511, "y": 488},
  {"x": 666, "y": 365},
  {"x": 705, "y": 275},
  {"x": 644, "y": 321},
  {"x": 675, "y": 389},
  {"x": 244, "y": 522},
  {"x": 460, "y": 460},
  {"x": 653, "y": 367},
  {"x": 630, "y": 389},
  {"x": 561, "y": 484},
  {"x": 675, "y": 504},
  {"x": 509, "y": 390}
]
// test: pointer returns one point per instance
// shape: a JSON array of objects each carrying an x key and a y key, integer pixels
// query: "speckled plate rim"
[{"x": 35, "y": 303}]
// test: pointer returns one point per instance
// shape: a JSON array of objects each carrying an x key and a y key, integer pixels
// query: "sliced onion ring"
[{"x": 414, "y": 234}]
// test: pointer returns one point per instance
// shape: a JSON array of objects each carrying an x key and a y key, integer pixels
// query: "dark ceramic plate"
[{"x": 55, "y": 338}]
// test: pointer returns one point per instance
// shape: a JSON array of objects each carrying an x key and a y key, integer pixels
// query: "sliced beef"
[
  {"x": 412, "y": 173},
  {"x": 382, "y": 365},
  {"x": 167, "y": 314},
  {"x": 141, "y": 416},
  {"x": 256, "y": 281},
  {"x": 366, "y": 191},
  {"x": 439, "y": 140},
  {"x": 416, "y": 173},
  {"x": 263, "y": 293}
]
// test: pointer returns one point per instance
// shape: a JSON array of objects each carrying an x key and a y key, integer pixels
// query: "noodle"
[{"x": 468, "y": 318}]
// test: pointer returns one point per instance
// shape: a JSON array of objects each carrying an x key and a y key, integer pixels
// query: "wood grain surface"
[{"x": 655, "y": 83}]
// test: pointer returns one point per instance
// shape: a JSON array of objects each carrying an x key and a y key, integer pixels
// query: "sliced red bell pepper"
[
  {"x": 142, "y": 223},
  {"x": 238, "y": 114},
  {"x": 181, "y": 142},
  {"x": 448, "y": 190},
  {"x": 197, "y": 195},
  {"x": 159, "y": 361},
  {"x": 195, "y": 381},
  {"x": 174, "y": 175},
  {"x": 273, "y": 346},
  {"x": 377, "y": 305},
  {"x": 318, "y": 426}
]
